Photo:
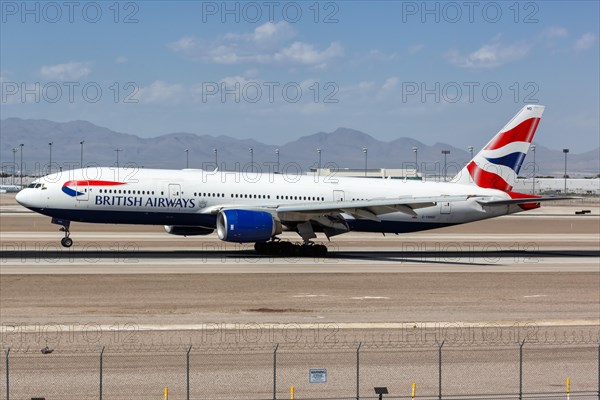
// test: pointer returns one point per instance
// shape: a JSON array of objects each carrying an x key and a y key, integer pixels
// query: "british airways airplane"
[{"x": 243, "y": 210}]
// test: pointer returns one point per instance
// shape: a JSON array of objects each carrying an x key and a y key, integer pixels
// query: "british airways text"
[{"x": 135, "y": 201}]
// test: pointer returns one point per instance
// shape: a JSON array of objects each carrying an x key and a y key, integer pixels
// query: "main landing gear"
[
  {"x": 66, "y": 241},
  {"x": 282, "y": 248}
]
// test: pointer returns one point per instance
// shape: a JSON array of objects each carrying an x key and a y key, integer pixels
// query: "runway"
[
  {"x": 359, "y": 261},
  {"x": 541, "y": 268},
  {"x": 147, "y": 296}
]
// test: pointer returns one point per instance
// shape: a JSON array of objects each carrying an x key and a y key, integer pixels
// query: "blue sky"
[{"x": 451, "y": 72}]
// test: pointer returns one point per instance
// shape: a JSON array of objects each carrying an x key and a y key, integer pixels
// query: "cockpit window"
[
  {"x": 38, "y": 185},
  {"x": 31, "y": 185}
]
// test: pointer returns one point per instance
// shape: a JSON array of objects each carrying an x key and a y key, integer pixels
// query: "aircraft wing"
[
  {"x": 526, "y": 200},
  {"x": 369, "y": 209}
]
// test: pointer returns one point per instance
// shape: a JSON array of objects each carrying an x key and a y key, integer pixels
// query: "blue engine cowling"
[{"x": 244, "y": 226}]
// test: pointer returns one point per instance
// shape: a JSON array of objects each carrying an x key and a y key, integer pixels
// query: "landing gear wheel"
[
  {"x": 320, "y": 250},
  {"x": 260, "y": 247},
  {"x": 66, "y": 242}
]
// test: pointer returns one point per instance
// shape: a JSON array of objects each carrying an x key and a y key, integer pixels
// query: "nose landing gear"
[{"x": 66, "y": 241}]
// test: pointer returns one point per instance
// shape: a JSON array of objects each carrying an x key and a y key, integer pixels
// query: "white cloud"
[
  {"x": 68, "y": 71},
  {"x": 415, "y": 48},
  {"x": 366, "y": 85},
  {"x": 121, "y": 60},
  {"x": 305, "y": 53},
  {"x": 378, "y": 55},
  {"x": 266, "y": 35},
  {"x": 390, "y": 84},
  {"x": 555, "y": 32},
  {"x": 313, "y": 108},
  {"x": 266, "y": 44},
  {"x": 490, "y": 55},
  {"x": 585, "y": 42},
  {"x": 159, "y": 92}
]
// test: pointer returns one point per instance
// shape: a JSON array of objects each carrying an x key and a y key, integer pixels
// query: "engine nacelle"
[
  {"x": 244, "y": 226},
  {"x": 188, "y": 230}
]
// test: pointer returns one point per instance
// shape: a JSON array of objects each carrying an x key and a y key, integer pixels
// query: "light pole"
[
  {"x": 534, "y": 166},
  {"x": 81, "y": 157},
  {"x": 277, "y": 152},
  {"x": 187, "y": 158},
  {"x": 118, "y": 150},
  {"x": 365, "y": 150},
  {"x": 566, "y": 151},
  {"x": 319, "y": 165},
  {"x": 21, "y": 167},
  {"x": 216, "y": 158},
  {"x": 416, "y": 151},
  {"x": 251, "y": 158},
  {"x": 470, "y": 148},
  {"x": 445, "y": 153},
  {"x": 50, "y": 162},
  {"x": 14, "y": 165}
]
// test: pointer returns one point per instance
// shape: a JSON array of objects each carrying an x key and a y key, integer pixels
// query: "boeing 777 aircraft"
[{"x": 196, "y": 202}]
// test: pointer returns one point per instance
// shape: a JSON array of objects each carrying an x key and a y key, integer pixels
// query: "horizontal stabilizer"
[{"x": 527, "y": 200}]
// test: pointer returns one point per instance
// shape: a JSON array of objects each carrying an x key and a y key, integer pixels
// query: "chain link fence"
[{"x": 440, "y": 371}]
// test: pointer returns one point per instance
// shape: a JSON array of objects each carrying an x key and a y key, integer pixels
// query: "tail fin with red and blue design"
[{"x": 498, "y": 164}]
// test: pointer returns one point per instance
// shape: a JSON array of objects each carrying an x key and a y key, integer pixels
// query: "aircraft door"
[
  {"x": 338, "y": 195},
  {"x": 83, "y": 187},
  {"x": 175, "y": 194},
  {"x": 446, "y": 207}
]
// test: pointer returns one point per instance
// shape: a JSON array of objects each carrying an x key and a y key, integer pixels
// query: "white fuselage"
[{"x": 192, "y": 197}]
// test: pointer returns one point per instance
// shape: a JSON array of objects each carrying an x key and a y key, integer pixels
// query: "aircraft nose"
[{"x": 21, "y": 197}]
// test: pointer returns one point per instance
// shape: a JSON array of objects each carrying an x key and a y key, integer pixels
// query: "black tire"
[
  {"x": 320, "y": 250},
  {"x": 307, "y": 251},
  {"x": 260, "y": 247},
  {"x": 66, "y": 242},
  {"x": 287, "y": 248}
]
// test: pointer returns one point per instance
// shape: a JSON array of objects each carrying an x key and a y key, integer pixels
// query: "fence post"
[
  {"x": 7, "y": 376},
  {"x": 358, "y": 371},
  {"x": 187, "y": 368},
  {"x": 521, "y": 344},
  {"x": 275, "y": 371},
  {"x": 440, "y": 370},
  {"x": 101, "y": 371},
  {"x": 521, "y": 369}
]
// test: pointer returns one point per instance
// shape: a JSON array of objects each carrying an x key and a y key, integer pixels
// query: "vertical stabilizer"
[{"x": 498, "y": 164}]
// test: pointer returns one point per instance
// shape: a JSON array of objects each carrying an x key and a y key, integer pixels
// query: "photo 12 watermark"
[
  {"x": 68, "y": 92},
  {"x": 53, "y": 12},
  {"x": 452, "y": 12},
  {"x": 469, "y": 92},
  {"x": 325, "y": 12}
]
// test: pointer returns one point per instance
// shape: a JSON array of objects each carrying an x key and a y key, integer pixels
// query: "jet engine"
[{"x": 244, "y": 226}]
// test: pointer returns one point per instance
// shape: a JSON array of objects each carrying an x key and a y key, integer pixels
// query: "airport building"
[{"x": 392, "y": 173}]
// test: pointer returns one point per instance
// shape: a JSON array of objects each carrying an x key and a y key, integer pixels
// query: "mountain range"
[{"x": 342, "y": 148}]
